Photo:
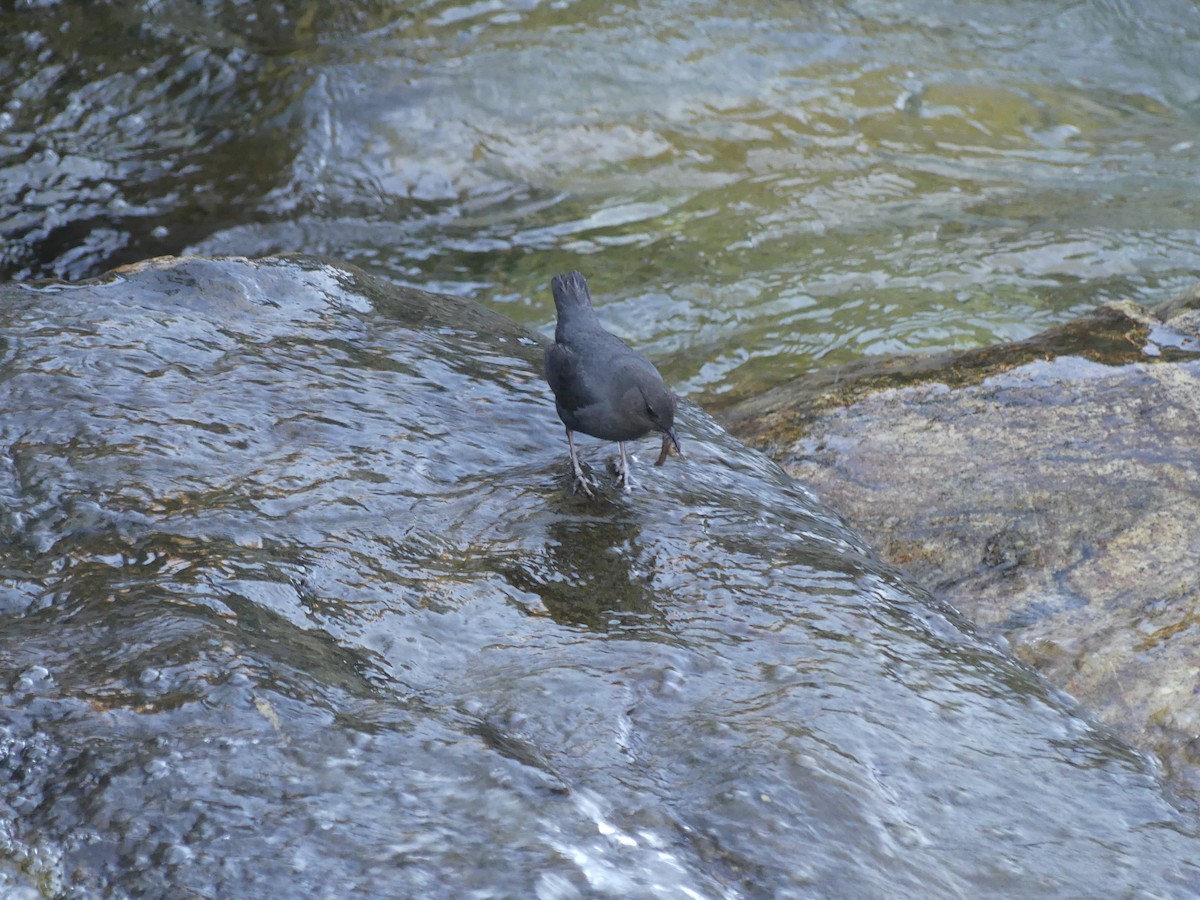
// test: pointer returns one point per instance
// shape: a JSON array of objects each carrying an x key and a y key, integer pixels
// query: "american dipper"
[{"x": 601, "y": 387}]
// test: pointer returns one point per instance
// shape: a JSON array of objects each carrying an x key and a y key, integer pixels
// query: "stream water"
[
  {"x": 296, "y": 599},
  {"x": 754, "y": 188},
  {"x": 298, "y": 603}
]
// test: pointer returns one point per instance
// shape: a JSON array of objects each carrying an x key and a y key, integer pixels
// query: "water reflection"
[{"x": 590, "y": 574}]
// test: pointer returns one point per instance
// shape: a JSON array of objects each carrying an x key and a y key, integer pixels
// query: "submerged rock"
[
  {"x": 297, "y": 602},
  {"x": 1048, "y": 489}
]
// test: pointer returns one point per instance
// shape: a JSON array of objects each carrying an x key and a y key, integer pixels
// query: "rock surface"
[
  {"x": 1048, "y": 489},
  {"x": 297, "y": 603}
]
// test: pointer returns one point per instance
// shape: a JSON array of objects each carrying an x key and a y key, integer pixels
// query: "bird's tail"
[{"x": 570, "y": 291}]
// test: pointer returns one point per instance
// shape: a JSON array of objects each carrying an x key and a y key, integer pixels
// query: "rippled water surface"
[
  {"x": 297, "y": 603},
  {"x": 296, "y": 599},
  {"x": 755, "y": 188}
]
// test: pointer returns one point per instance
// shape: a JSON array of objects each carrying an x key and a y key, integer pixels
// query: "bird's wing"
[{"x": 564, "y": 375}]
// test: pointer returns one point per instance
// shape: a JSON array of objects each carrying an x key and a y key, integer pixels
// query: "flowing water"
[
  {"x": 296, "y": 599},
  {"x": 298, "y": 603},
  {"x": 754, "y": 188}
]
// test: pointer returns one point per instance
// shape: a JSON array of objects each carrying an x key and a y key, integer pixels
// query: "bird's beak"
[{"x": 674, "y": 440}]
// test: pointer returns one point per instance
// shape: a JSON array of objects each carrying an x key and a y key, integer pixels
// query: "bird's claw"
[
  {"x": 621, "y": 469},
  {"x": 582, "y": 483}
]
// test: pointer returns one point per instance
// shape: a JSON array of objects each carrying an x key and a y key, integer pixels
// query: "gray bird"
[{"x": 601, "y": 387}]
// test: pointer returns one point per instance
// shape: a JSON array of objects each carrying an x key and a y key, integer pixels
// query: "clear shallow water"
[
  {"x": 297, "y": 602},
  {"x": 754, "y": 188}
]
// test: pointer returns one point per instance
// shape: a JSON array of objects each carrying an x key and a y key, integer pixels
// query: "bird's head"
[{"x": 659, "y": 409}]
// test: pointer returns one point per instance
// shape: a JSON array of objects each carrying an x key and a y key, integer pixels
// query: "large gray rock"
[{"x": 1050, "y": 490}]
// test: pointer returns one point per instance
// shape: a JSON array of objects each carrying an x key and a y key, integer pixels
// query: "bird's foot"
[
  {"x": 581, "y": 482},
  {"x": 621, "y": 468},
  {"x": 627, "y": 481}
]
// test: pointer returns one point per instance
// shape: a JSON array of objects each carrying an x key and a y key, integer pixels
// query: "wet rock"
[
  {"x": 1048, "y": 489},
  {"x": 297, "y": 602}
]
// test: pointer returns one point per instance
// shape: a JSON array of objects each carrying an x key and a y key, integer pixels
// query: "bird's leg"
[
  {"x": 576, "y": 469},
  {"x": 626, "y": 478}
]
